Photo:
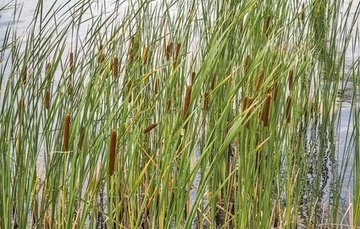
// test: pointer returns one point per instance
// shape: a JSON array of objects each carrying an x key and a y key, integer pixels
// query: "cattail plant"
[
  {"x": 24, "y": 75},
  {"x": 260, "y": 80},
  {"x": 150, "y": 127},
  {"x": 266, "y": 110},
  {"x": 112, "y": 149},
  {"x": 169, "y": 50},
  {"x": 47, "y": 99},
  {"x": 101, "y": 55},
  {"x": 291, "y": 79},
  {"x": 266, "y": 25},
  {"x": 176, "y": 57},
  {"x": 206, "y": 101},
  {"x": 145, "y": 54},
  {"x": 71, "y": 61},
  {"x": 81, "y": 138},
  {"x": 288, "y": 109},
  {"x": 247, "y": 64},
  {"x": 66, "y": 132},
  {"x": 115, "y": 67},
  {"x": 186, "y": 102},
  {"x": 133, "y": 48},
  {"x": 168, "y": 106},
  {"x": 213, "y": 82},
  {"x": 156, "y": 85},
  {"x": 193, "y": 75}
]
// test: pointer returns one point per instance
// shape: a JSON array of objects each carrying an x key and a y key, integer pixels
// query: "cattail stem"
[
  {"x": 266, "y": 110},
  {"x": 66, "y": 132},
  {"x": 112, "y": 150}
]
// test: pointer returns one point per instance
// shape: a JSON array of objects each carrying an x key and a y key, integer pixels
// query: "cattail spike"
[
  {"x": 288, "y": 109},
  {"x": 193, "y": 75},
  {"x": 176, "y": 57},
  {"x": 156, "y": 86},
  {"x": 291, "y": 79},
  {"x": 168, "y": 106},
  {"x": 24, "y": 75},
  {"x": 267, "y": 24},
  {"x": 112, "y": 150},
  {"x": 47, "y": 99},
  {"x": 186, "y": 102},
  {"x": 66, "y": 132},
  {"x": 169, "y": 50},
  {"x": 260, "y": 80},
  {"x": 145, "y": 55},
  {"x": 81, "y": 138},
  {"x": 213, "y": 81},
  {"x": 206, "y": 101},
  {"x": 149, "y": 128},
  {"x": 115, "y": 67},
  {"x": 247, "y": 64},
  {"x": 266, "y": 110},
  {"x": 71, "y": 61}
]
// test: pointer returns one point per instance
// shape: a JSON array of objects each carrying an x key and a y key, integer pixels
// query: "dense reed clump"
[{"x": 222, "y": 114}]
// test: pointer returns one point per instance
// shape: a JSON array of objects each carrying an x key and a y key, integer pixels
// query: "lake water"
[{"x": 26, "y": 8}]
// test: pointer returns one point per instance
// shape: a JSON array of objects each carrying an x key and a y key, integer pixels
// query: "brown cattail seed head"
[
  {"x": 177, "y": 52},
  {"x": 206, "y": 101},
  {"x": 303, "y": 12},
  {"x": 288, "y": 109},
  {"x": 245, "y": 103},
  {"x": 266, "y": 110},
  {"x": 81, "y": 138},
  {"x": 145, "y": 55},
  {"x": 156, "y": 86},
  {"x": 260, "y": 80},
  {"x": 112, "y": 150},
  {"x": 291, "y": 79},
  {"x": 71, "y": 61},
  {"x": 168, "y": 106},
  {"x": 24, "y": 75},
  {"x": 247, "y": 64},
  {"x": 213, "y": 81},
  {"x": 115, "y": 67},
  {"x": 66, "y": 132},
  {"x": 47, "y": 99},
  {"x": 101, "y": 54},
  {"x": 193, "y": 75},
  {"x": 149, "y": 128},
  {"x": 186, "y": 102},
  {"x": 169, "y": 50},
  {"x": 267, "y": 24}
]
